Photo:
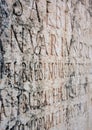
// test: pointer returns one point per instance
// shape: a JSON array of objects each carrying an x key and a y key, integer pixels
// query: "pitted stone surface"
[{"x": 45, "y": 65}]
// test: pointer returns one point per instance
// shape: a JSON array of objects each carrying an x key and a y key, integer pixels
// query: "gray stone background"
[{"x": 45, "y": 64}]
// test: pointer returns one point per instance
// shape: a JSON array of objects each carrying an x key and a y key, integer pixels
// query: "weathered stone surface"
[{"x": 45, "y": 65}]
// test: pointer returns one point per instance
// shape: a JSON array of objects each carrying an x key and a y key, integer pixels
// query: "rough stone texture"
[{"x": 45, "y": 64}]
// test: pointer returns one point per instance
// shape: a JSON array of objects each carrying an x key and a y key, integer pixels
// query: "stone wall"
[{"x": 45, "y": 64}]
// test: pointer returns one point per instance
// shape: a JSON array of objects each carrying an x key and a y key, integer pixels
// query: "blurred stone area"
[{"x": 45, "y": 64}]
